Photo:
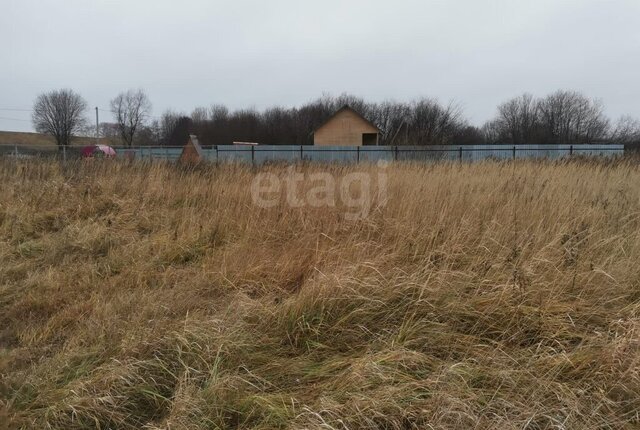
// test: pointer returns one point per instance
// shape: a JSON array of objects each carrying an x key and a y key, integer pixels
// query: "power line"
[
  {"x": 31, "y": 110},
  {"x": 112, "y": 111},
  {"x": 14, "y": 119}
]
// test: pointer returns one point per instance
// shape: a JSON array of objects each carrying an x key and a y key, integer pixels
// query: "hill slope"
[
  {"x": 481, "y": 296},
  {"x": 38, "y": 139}
]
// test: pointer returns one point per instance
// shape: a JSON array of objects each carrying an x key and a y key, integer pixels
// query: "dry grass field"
[{"x": 485, "y": 296}]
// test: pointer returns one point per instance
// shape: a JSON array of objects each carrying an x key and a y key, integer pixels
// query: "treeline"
[
  {"x": 563, "y": 117},
  {"x": 425, "y": 121}
]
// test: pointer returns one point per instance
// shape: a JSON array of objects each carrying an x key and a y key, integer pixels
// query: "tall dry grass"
[{"x": 489, "y": 296}]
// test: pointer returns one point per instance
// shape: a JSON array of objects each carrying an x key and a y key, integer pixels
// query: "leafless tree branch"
[
  {"x": 131, "y": 109},
  {"x": 59, "y": 113}
]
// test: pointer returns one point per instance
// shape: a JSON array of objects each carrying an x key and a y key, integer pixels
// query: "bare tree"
[
  {"x": 276, "y": 123},
  {"x": 492, "y": 132},
  {"x": 218, "y": 112},
  {"x": 181, "y": 131},
  {"x": 626, "y": 131},
  {"x": 435, "y": 124},
  {"x": 60, "y": 114},
  {"x": 517, "y": 120},
  {"x": 167, "y": 125},
  {"x": 200, "y": 115},
  {"x": 570, "y": 117},
  {"x": 109, "y": 130},
  {"x": 130, "y": 109},
  {"x": 564, "y": 117},
  {"x": 392, "y": 118}
]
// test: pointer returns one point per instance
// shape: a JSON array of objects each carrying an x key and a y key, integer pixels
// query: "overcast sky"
[{"x": 259, "y": 53}]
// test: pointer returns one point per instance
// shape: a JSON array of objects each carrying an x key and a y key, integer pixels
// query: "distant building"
[{"x": 347, "y": 127}]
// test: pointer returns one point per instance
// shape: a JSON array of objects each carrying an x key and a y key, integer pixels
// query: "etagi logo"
[{"x": 357, "y": 192}]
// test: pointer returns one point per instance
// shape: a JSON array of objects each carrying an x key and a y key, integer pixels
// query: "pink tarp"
[{"x": 100, "y": 150}]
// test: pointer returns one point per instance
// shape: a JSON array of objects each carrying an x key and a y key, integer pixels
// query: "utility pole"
[
  {"x": 404, "y": 124},
  {"x": 97, "y": 127}
]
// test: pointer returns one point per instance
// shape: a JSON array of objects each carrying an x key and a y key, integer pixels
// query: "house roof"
[{"x": 343, "y": 108}]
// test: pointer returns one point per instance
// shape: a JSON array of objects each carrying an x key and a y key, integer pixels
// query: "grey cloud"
[{"x": 286, "y": 52}]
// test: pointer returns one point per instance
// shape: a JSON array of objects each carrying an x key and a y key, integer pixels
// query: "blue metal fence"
[
  {"x": 260, "y": 154},
  {"x": 292, "y": 153}
]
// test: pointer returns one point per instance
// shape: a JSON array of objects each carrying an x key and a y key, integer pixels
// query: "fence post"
[
  {"x": 217, "y": 156},
  {"x": 64, "y": 153},
  {"x": 15, "y": 150},
  {"x": 571, "y": 150},
  {"x": 301, "y": 155},
  {"x": 357, "y": 154},
  {"x": 253, "y": 155},
  {"x": 395, "y": 157},
  {"x": 460, "y": 153},
  {"x": 514, "y": 152}
]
